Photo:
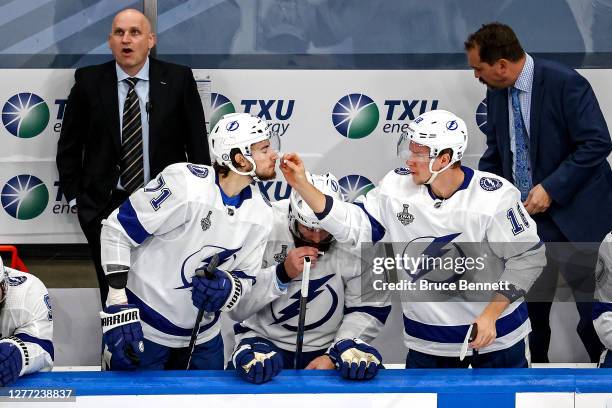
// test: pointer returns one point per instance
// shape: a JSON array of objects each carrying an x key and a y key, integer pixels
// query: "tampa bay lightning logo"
[
  {"x": 452, "y": 125},
  {"x": 490, "y": 183},
  {"x": 17, "y": 280},
  {"x": 192, "y": 262},
  {"x": 316, "y": 288},
  {"x": 426, "y": 254},
  {"x": 233, "y": 125},
  {"x": 48, "y": 304},
  {"x": 198, "y": 171}
]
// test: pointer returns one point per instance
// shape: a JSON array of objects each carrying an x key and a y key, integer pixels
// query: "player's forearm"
[
  {"x": 496, "y": 307},
  {"x": 313, "y": 197}
]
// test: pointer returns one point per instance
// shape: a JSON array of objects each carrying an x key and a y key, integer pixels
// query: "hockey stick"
[
  {"x": 302, "y": 317},
  {"x": 196, "y": 326}
]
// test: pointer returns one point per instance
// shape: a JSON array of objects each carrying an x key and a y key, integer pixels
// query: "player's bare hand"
[
  {"x": 537, "y": 201},
  {"x": 293, "y": 169},
  {"x": 294, "y": 263},
  {"x": 321, "y": 363},
  {"x": 486, "y": 331}
]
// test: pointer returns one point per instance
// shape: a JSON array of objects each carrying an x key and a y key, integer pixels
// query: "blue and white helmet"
[
  {"x": 239, "y": 131},
  {"x": 438, "y": 130},
  {"x": 300, "y": 211}
]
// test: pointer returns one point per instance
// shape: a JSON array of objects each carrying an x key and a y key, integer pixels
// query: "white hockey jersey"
[
  {"x": 172, "y": 226},
  {"x": 486, "y": 209},
  {"x": 602, "y": 308},
  {"x": 27, "y": 319},
  {"x": 337, "y": 305}
]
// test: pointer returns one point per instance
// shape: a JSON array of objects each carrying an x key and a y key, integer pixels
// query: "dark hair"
[
  {"x": 496, "y": 41},
  {"x": 224, "y": 170},
  {"x": 449, "y": 151}
]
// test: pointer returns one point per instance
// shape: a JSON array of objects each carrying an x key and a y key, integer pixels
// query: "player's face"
[
  {"x": 130, "y": 40},
  {"x": 489, "y": 75},
  {"x": 313, "y": 235},
  {"x": 265, "y": 157},
  {"x": 418, "y": 162}
]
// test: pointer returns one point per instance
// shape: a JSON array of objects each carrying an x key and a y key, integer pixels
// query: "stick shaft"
[
  {"x": 196, "y": 326},
  {"x": 299, "y": 341}
]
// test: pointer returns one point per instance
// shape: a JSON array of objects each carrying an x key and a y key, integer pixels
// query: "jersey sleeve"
[
  {"x": 35, "y": 331},
  {"x": 357, "y": 222},
  {"x": 249, "y": 269},
  {"x": 365, "y": 309},
  {"x": 512, "y": 235},
  {"x": 602, "y": 307},
  {"x": 264, "y": 291},
  {"x": 161, "y": 206}
]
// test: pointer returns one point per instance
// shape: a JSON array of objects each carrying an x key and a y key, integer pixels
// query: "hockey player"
[
  {"x": 338, "y": 322},
  {"x": 154, "y": 242},
  {"x": 440, "y": 202},
  {"x": 602, "y": 308},
  {"x": 26, "y": 326}
]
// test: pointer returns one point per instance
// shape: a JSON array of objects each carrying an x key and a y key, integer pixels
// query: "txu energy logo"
[
  {"x": 355, "y": 116},
  {"x": 24, "y": 197},
  {"x": 220, "y": 105},
  {"x": 354, "y": 185},
  {"x": 25, "y": 115},
  {"x": 481, "y": 115}
]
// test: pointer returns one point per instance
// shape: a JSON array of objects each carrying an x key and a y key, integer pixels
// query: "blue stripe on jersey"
[
  {"x": 456, "y": 334},
  {"x": 131, "y": 224},
  {"x": 380, "y": 313},
  {"x": 159, "y": 322},
  {"x": 240, "y": 329},
  {"x": 600, "y": 308},
  {"x": 46, "y": 345},
  {"x": 329, "y": 203},
  {"x": 533, "y": 248},
  {"x": 378, "y": 231}
]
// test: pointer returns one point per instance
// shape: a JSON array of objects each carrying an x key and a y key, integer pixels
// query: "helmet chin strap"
[
  {"x": 250, "y": 173},
  {"x": 434, "y": 174}
]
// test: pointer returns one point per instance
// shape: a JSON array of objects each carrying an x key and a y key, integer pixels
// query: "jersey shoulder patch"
[
  {"x": 402, "y": 171},
  {"x": 16, "y": 280},
  {"x": 490, "y": 183},
  {"x": 198, "y": 170}
]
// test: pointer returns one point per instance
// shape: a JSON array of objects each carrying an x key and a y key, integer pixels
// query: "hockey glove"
[
  {"x": 221, "y": 292},
  {"x": 12, "y": 351},
  {"x": 256, "y": 361},
  {"x": 122, "y": 335},
  {"x": 355, "y": 359}
]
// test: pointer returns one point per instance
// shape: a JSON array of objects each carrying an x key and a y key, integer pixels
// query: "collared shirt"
[
  {"x": 524, "y": 84},
  {"x": 142, "y": 90}
]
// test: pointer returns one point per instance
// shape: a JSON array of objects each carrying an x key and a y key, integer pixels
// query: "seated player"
[
  {"x": 445, "y": 206},
  {"x": 26, "y": 326},
  {"x": 338, "y": 325},
  {"x": 602, "y": 308},
  {"x": 181, "y": 221}
]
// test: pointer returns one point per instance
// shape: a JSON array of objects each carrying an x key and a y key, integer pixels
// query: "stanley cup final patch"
[
  {"x": 206, "y": 222},
  {"x": 404, "y": 216},
  {"x": 282, "y": 255}
]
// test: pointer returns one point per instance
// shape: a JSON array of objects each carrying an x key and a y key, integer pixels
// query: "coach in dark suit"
[
  {"x": 546, "y": 133},
  {"x": 125, "y": 121}
]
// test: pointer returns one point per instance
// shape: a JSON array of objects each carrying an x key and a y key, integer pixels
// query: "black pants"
[
  {"x": 577, "y": 268},
  {"x": 92, "y": 230}
]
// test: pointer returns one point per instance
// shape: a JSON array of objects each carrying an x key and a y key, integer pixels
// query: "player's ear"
[{"x": 240, "y": 161}]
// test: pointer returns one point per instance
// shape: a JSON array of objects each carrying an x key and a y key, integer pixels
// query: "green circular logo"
[{"x": 25, "y": 115}]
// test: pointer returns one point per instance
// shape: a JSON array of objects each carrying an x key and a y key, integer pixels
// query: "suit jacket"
[
  {"x": 569, "y": 146},
  {"x": 89, "y": 146}
]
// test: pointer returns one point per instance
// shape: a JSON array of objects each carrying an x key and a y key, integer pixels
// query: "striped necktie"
[
  {"x": 132, "y": 172},
  {"x": 522, "y": 165}
]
